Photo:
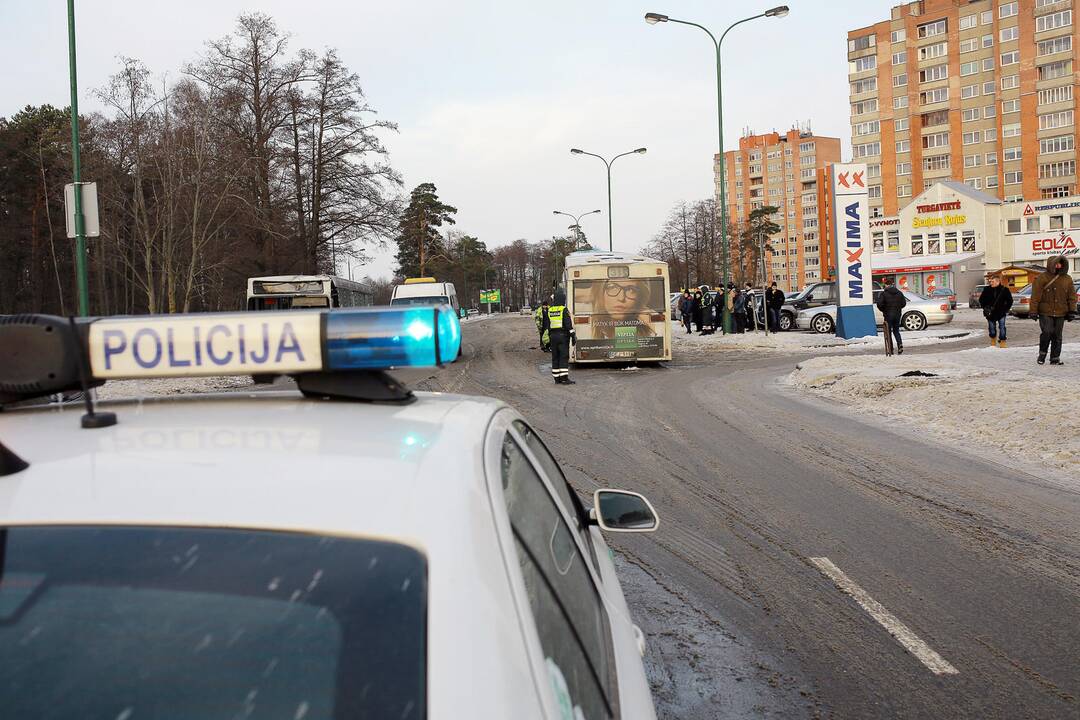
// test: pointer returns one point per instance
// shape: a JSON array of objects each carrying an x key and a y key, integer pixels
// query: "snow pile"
[
  {"x": 987, "y": 398},
  {"x": 798, "y": 340},
  {"x": 124, "y": 389}
]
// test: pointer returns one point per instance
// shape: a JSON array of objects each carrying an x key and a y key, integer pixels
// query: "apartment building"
[
  {"x": 783, "y": 171},
  {"x": 981, "y": 92}
]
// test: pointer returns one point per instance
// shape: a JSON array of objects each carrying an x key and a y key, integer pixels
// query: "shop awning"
[{"x": 920, "y": 263}]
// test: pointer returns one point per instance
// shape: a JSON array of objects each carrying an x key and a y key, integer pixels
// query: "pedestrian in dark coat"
[
  {"x": 686, "y": 309},
  {"x": 751, "y": 321},
  {"x": 1053, "y": 301},
  {"x": 698, "y": 310},
  {"x": 774, "y": 300},
  {"x": 995, "y": 301},
  {"x": 738, "y": 304},
  {"x": 891, "y": 303}
]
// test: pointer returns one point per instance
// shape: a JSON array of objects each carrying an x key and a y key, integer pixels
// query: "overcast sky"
[{"x": 490, "y": 95}]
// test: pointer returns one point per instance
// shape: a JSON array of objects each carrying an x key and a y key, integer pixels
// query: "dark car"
[
  {"x": 976, "y": 293},
  {"x": 944, "y": 294}
]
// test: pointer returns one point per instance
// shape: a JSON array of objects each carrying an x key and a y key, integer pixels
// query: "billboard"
[
  {"x": 1035, "y": 247},
  {"x": 619, "y": 319},
  {"x": 490, "y": 296},
  {"x": 851, "y": 235}
]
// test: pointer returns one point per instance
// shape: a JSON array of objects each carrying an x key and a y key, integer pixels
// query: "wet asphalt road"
[{"x": 979, "y": 561}]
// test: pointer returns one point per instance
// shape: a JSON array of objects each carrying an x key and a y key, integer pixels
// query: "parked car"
[
  {"x": 973, "y": 298},
  {"x": 919, "y": 313},
  {"x": 1021, "y": 306},
  {"x": 944, "y": 294},
  {"x": 814, "y": 295},
  {"x": 525, "y": 310}
]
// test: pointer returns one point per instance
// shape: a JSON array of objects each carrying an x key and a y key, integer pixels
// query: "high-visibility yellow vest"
[{"x": 556, "y": 313}]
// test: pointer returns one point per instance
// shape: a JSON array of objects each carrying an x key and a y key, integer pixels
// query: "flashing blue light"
[{"x": 391, "y": 337}]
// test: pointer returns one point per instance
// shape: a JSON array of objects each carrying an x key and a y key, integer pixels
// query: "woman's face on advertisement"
[{"x": 624, "y": 297}]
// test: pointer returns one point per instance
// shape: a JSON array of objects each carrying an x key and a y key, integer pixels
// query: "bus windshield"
[{"x": 430, "y": 300}]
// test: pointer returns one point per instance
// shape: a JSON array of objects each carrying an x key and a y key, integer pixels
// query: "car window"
[
  {"x": 551, "y": 468},
  {"x": 131, "y": 622},
  {"x": 820, "y": 293},
  {"x": 569, "y": 614}
]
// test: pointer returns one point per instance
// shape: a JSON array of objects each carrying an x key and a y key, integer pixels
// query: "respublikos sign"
[{"x": 855, "y": 310}]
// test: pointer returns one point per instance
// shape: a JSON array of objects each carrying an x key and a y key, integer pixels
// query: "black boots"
[{"x": 1041, "y": 359}]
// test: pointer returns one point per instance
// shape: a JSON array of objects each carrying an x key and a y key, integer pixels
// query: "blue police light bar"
[{"x": 286, "y": 342}]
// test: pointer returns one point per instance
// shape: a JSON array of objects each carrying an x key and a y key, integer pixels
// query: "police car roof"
[{"x": 269, "y": 460}]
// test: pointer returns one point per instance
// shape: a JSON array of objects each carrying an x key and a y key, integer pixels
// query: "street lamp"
[
  {"x": 577, "y": 221},
  {"x": 639, "y": 151},
  {"x": 653, "y": 19}
]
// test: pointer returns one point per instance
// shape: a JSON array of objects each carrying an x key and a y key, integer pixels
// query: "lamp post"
[
  {"x": 653, "y": 19},
  {"x": 608, "y": 163},
  {"x": 76, "y": 172},
  {"x": 577, "y": 221}
]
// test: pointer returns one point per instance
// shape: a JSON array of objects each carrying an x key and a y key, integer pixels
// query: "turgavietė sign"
[{"x": 937, "y": 221}]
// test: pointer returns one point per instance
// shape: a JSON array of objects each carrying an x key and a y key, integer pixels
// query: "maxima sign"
[
  {"x": 855, "y": 312},
  {"x": 1031, "y": 247}
]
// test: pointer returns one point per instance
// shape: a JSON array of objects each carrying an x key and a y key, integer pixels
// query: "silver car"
[{"x": 919, "y": 313}]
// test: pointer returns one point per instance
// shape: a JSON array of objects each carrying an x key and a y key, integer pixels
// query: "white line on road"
[{"x": 936, "y": 664}]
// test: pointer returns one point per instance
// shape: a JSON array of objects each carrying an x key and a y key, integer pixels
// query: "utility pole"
[{"x": 76, "y": 172}]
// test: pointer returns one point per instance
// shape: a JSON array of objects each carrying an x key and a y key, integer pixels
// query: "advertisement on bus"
[{"x": 619, "y": 319}]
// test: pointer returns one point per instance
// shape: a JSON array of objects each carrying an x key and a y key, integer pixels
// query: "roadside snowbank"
[
  {"x": 986, "y": 398},
  {"x": 798, "y": 340}
]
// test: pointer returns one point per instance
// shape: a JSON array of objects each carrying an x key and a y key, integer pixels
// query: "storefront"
[
  {"x": 960, "y": 272},
  {"x": 1035, "y": 231}
]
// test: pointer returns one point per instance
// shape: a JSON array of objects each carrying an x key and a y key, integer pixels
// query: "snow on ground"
[
  {"x": 986, "y": 398},
  {"x": 124, "y": 389},
  {"x": 799, "y": 340}
]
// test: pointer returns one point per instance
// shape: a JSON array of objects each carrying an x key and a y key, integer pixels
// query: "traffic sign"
[{"x": 89, "y": 209}]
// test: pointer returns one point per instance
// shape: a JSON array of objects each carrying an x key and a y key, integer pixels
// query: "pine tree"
[{"x": 420, "y": 245}]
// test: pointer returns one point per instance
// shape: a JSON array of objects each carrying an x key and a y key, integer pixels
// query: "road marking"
[{"x": 903, "y": 634}]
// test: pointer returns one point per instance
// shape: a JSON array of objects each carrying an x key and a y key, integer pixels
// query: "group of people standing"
[{"x": 704, "y": 309}]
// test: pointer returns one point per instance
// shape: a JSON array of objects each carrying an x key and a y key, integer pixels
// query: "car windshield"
[
  {"x": 430, "y": 300},
  {"x": 133, "y": 622}
]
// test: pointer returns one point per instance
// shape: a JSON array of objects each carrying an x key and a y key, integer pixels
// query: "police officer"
[
  {"x": 561, "y": 332},
  {"x": 539, "y": 316}
]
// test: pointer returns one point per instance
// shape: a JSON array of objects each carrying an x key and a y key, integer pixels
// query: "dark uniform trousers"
[{"x": 560, "y": 354}]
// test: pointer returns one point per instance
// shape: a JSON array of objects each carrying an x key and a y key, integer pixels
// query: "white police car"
[{"x": 295, "y": 555}]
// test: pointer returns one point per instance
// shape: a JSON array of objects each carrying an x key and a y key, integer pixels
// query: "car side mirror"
[{"x": 623, "y": 511}]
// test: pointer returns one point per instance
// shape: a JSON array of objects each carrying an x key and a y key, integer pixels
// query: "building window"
[
  {"x": 970, "y": 114},
  {"x": 991, "y": 181},
  {"x": 969, "y": 21},
  {"x": 1059, "y": 143},
  {"x": 986, "y": 17},
  {"x": 1057, "y": 192},
  {"x": 1056, "y": 120},
  {"x": 873, "y": 171},
  {"x": 899, "y": 58},
  {"x": 988, "y": 64},
  {"x": 903, "y": 146},
  {"x": 892, "y": 240},
  {"x": 1008, "y": 82},
  {"x": 1057, "y": 222},
  {"x": 863, "y": 64},
  {"x": 969, "y": 91},
  {"x": 864, "y": 128},
  {"x": 874, "y": 191},
  {"x": 937, "y": 117},
  {"x": 1010, "y": 106},
  {"x": 861, "y": 43},
  {"x": 916, "y": 245},
  {"x": 898, "y": 36},
  {"x": 967, "y": 239},
  {"x": 990, "y": 111},
  {"x": 1058, "y": 44},
  {"x": 935, "y": 140},
  {"x": 933, "y": 244},
  {"x": 969, "y": 68},
  {"x": 903, "y": 191},
  {"x": 1053, "y": 95},
  {"x": 988, "y": 87},
  {"x": 1010, "y": 58},
  {"x": 936, "y": 162},
  {"x": 864, "y": 86},
  {"x": 1008, "y": 10},
  {"x": 1009, "y": 34},
  {"x": 901, "y": 124},
  {"x": 969, "y": 45},
  {"x": 1065, "y": 168},
  {"x": 1014, "y": 177},
  {"x": 933, "y": 73},
  {"x": 1074, "y": 220},
  {"x": 974, "y": 182},
  {"x": 900, "y": 101},
  {"x": 1054, "y": 70},
  {"x": 950, "y": 237},
  {"x": 929, "y": 97},
  {"x": 929, "y": 52},
  {"x": 1053, "y": 21},
  {"x": 1012, "y": 153},
  {"x": 899, "y": 80},
  {"x": 972, "y": 160},
  {"x": 970, "y": 138},
  {"x": 1011, "y": 130},
  {"x": 903, "y": 168},
  {"x": 989, "y": 135},
  {"x": 866, "y": 106},
  {"x": 991, "y": 158},
  {"x": 1013, "y": 226},
  {"x": 864, "y": 150},
  {"x": 931, "y": 29},
  {"x": 987, "y": 41}
]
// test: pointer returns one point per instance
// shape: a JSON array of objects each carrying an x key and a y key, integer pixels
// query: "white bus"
[
  {"x": 619, "y": 304},
  {"x": 426, "y": 291},
  {"x": 290, "y": 292}
]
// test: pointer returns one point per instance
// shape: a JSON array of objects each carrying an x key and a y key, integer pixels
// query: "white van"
[{"x": 425, "y": 291}]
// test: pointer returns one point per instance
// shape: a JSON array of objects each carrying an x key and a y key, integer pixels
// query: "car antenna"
[{"x": 91, "y": 419}]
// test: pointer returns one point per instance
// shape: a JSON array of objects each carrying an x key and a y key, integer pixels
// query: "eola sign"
[
  {"x": 1029, "y": 248},
  {"x": 855, "y": 289}
]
